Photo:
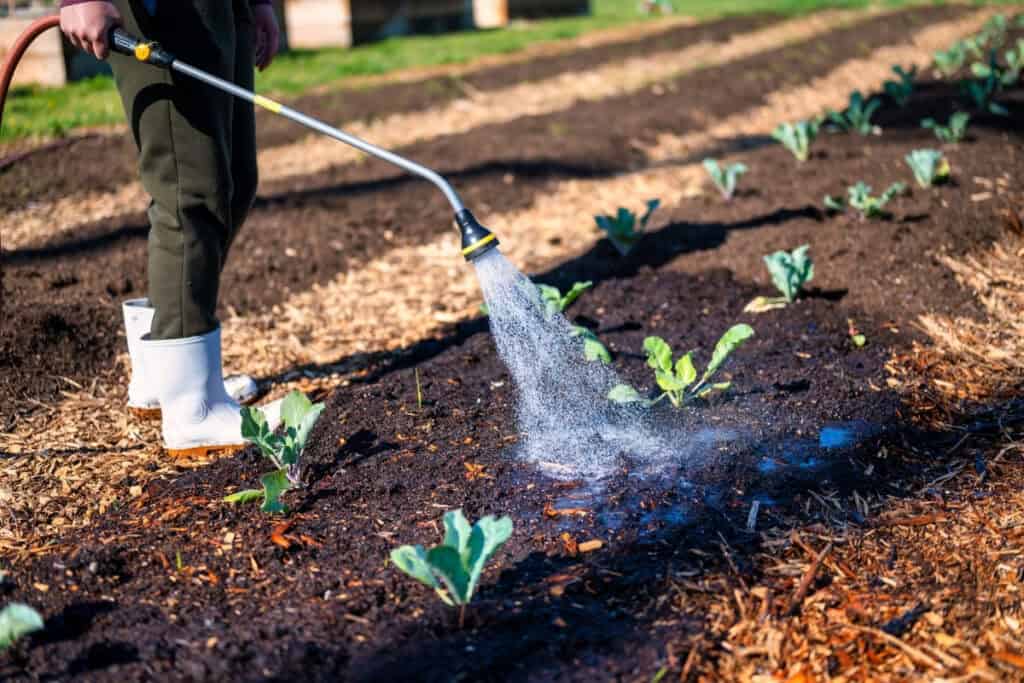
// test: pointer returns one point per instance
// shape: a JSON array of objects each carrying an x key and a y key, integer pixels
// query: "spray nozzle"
[{"x": 476, "y": 239}]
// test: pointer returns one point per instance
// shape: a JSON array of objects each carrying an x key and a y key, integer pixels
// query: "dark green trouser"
[{"x": 197, "y": 151}]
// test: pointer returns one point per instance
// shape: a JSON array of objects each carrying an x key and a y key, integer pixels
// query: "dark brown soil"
[
  {"x": 342, "y": 216},
  {"x": 177, "y": 585},
  {"x": 105, "y": 162}
]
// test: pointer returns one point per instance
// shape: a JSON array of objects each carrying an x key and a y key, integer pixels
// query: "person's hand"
[
  {"x": 268, "y": 35},
  {"x": 87, "y": 25}
]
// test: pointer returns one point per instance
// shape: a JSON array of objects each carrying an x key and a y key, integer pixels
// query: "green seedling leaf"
[
  {"x": 17, "y": 620},
  {"x": 623, "y": 229},
  {"x": 952, "y": 133},
  {"x": 730, "y": 341},
  {"x": 929, "y": 166},
  {"x": 413, "y": 561},
  {"x": 574, "y": 293},
  {"x": 487, "y": 537},
  {"x": 244, "y": 496},
  {"x": 456, "y": 531},
  {"x": 712, "y": 388},
  {"x": 797, "y": 137},
  {"x": 555, "y": 302},
  {"x": 901, "y": 90},
  {"x": 593, "y": 349},
  {"x": 659, "y": 354},
  {"x": 790, "y": 271},
  {"x": 274, "y": 485},
  {"x": 623, "y": 393},
  {"x": 294, "y": 409},
  {"x": 724, "y": 178}
]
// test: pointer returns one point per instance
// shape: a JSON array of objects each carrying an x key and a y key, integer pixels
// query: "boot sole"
[
  {"x": 203, "y": 452},
  {"x": 152, "y": 414}
]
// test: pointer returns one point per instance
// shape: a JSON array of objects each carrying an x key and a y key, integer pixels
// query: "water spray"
[{"x": 476, "y": 239}]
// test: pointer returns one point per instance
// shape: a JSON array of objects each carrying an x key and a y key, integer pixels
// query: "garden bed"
[
  {"x": 337, "y": 219},
  {"x": 172, "y": 583}
]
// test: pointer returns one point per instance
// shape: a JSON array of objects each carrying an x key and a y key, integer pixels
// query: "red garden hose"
[{"x": 18, "y": 50}]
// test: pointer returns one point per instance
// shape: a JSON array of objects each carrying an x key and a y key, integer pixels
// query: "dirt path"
[
  {"x": 46, "y": 220},
  {"x": 357, "y": 314}
]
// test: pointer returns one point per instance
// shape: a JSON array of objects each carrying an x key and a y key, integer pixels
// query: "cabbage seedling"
[
  {"x": 593, "y": 349},
  {"x": 856, "y": 116},
  {"x": 992, "y": 69},
  {"x": 797, "y": 137},
  {"x": 299, "y": 415},
  {"x": 860, "y": 198},
  {"x": 952, "y": 133},
  {"x": 790, "y": 271},
  {"x": 725, "y": 178},
  {"x": 982, "y": 94},
  {"x": 623, "y": 230},
  {"x": 675, "y": 379},
  {"x": 453, "y": 568},
  {"x": 929, "y": 166},
  {"x": 901, "y": 90},
  {"x": 952, "y": 60},
  {"x": 17, "y": 620},
  {"x": 556, "y": 302}
]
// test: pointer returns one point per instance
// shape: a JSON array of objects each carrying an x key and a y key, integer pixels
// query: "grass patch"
[{"x": 35, "y": 111}]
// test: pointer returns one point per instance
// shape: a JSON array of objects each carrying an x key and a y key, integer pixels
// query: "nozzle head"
[{"x": 476, "y": 239}]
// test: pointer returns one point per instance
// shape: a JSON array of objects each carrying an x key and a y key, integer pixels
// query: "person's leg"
[{"x": 183, "y": 129}]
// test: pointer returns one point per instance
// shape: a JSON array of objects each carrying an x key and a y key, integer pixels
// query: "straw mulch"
[{"x": 968, "y": 362}]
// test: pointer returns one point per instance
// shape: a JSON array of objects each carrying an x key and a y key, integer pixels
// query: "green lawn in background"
[{"x": 54, "y": 111}]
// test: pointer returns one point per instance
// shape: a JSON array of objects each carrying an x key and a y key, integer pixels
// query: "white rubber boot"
[
  {"x": 142, "y": 391},
  {"x": 199, "y": 418}
]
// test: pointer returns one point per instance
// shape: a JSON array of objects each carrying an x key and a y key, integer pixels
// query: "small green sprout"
[
  {"x": 675, "y": 379},
  {"x": 622, "y": 228},
  {"x": 952, "y": 133},
  {"x": 952, "y": 60},
  {"x": 556, "y": 302},
  {"x": 856, "y": 116},
  {"x": 860, "y": 198},
  {"x": 901, "y": 90},
  {"x": 929, "y": 166},
  {"x": 797, "y": 137},
  {"x": 453, "y": 568},
  {"x": 725, "y": 178},
  {"x": 992, "y": 69},
  {"x": 17, "y": 620},
  {"x": 299, "y": 415},
  {"x": 790, "y": 271},
  {"x": 593, "y": 349},
  {"x": 982, "y": 93}
]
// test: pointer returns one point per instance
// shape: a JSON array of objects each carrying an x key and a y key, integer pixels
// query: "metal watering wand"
[{"x": 476, "y": 239}]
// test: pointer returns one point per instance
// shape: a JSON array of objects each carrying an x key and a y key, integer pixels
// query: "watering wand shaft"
[{"x": 476, "y": 239}]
